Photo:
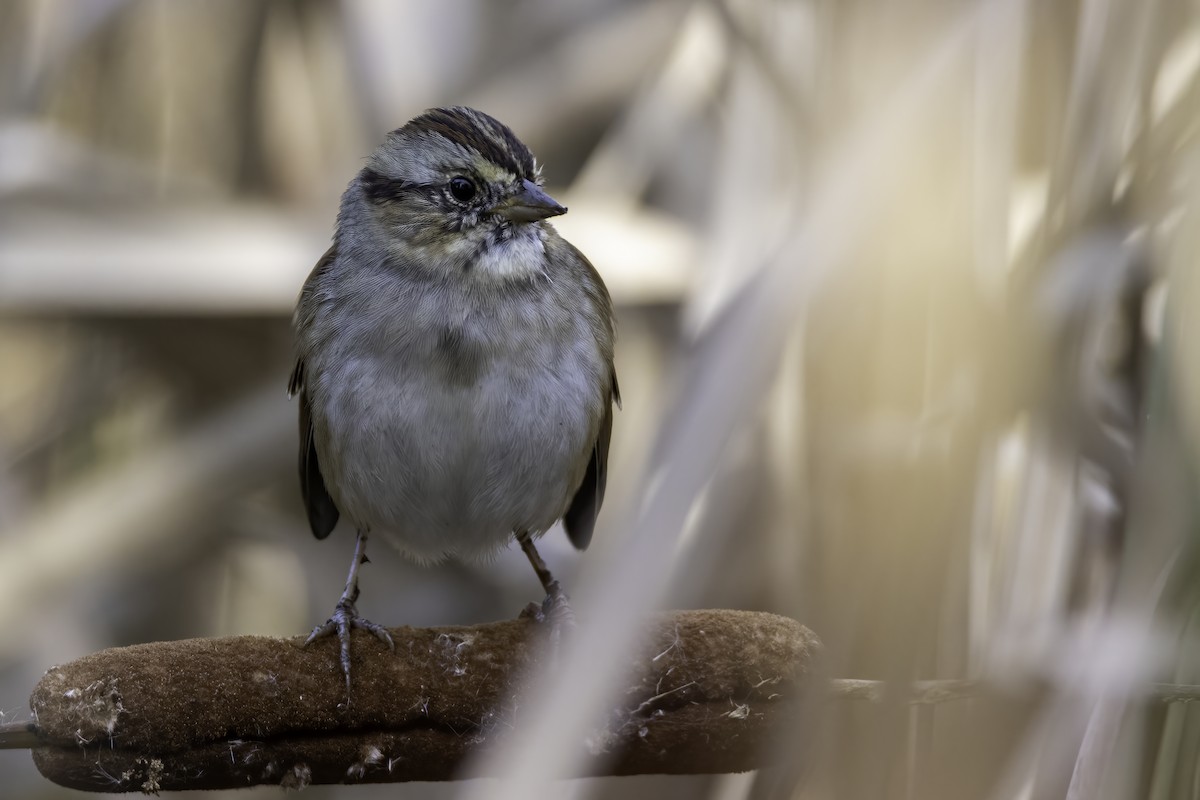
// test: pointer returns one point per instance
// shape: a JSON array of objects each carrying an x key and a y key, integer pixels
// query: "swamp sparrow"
[{"x": 454, "y": 359}]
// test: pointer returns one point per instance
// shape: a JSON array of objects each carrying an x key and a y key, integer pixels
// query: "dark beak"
[{"x": 529, "y": 205}]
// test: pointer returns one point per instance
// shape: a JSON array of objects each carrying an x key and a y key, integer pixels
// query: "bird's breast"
[{"x": 451, "y": 430}]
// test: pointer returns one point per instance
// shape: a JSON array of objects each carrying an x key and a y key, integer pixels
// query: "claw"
[
  {"x": 345, "y": 619},
  {"x": 345, "y": 616},
  {"x": 555, "y": 612},
  {"x": 556, "y": 608},
  {"x": 533, "y": 611}
]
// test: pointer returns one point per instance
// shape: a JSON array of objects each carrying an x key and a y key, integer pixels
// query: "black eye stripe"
[{"x": 380, "y": 188}]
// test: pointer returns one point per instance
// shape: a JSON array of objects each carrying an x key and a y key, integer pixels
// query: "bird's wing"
[
  {"x": 580, "y": 519},
  {"x": 322, "y": 512}
]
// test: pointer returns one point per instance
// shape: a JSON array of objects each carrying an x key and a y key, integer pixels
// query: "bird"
[{"x": 454, "y": 361}]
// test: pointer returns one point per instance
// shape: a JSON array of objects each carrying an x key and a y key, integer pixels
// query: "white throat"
[{"x": 523, "y": 254}]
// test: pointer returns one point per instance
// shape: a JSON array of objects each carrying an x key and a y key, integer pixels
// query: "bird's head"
[{"x": 455, "y": 189}]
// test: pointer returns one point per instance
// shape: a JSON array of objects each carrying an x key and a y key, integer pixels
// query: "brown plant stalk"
[{"x": 703, "y": 695}]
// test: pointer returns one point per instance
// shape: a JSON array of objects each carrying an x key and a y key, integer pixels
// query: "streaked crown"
[
  {"x": 480, "y": 132},
  {"x": 443, "y": 139}
]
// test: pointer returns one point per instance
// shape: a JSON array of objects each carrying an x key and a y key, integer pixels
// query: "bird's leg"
[
  {"x": 556, "y": 607},
  {"x": 345, "y": 615}
]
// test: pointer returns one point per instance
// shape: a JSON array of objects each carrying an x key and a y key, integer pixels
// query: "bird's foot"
[
  {"x": 555, "y": 611},
  {"x": 556, "y": 608},
  {"x": 345, "y": 619}
]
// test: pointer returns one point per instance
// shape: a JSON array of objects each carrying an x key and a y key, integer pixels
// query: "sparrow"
[{"x": 454, "y": 360}]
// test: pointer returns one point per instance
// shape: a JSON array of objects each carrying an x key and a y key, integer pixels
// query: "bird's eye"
[{"x": 462, "y": 188}]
